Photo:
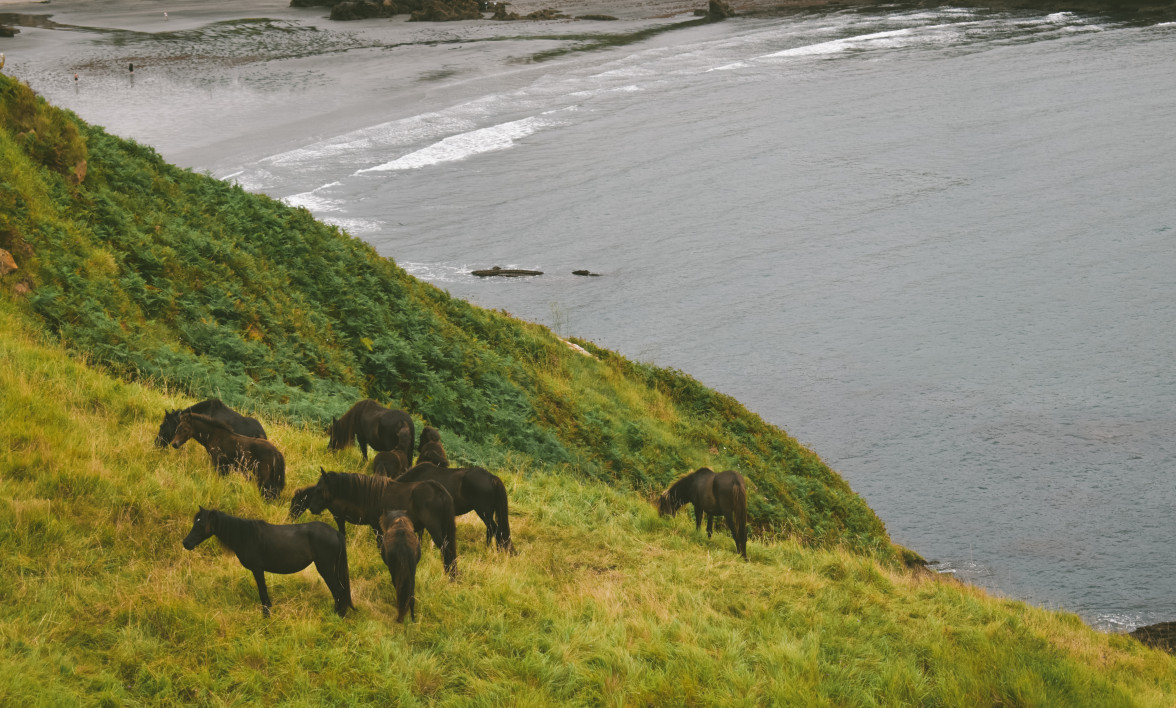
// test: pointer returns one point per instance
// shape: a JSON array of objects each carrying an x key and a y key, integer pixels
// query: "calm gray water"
[{"x": 938, "y": 247}]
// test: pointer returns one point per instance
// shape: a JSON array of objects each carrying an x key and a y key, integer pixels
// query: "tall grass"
[
  {"x": 161, "y": 275},
  {"x": 605, "y": 603}
]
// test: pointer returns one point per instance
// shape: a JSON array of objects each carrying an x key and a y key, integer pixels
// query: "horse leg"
[
  {"x": 379, "y": 538},
  {"x": 259, "y": 576},
  {"x": 340, "y": 522},
  {"x": 330, "y": 575},
  {"x": 697, "y": 518},
  {"x": 487, "y": 518},
  {"x": 710, "y": 524},
  {"x": 363, "y": 448},
  {"x": 730, "y": 517}
]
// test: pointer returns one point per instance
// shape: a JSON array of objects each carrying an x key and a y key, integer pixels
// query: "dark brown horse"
[
  {"x": 430, "y": 449},
  {"x": 213, "y": 408},
  {"x": 371, "y": 424},
  {"x": 401, "y": 550},
  {"x": 390, "y": 464},
  {"x": 723, "y": 494},
  {"x": 363, "y": 499},
  {"x": 229, "y": 450},
  {"x": 473, "y": 489},
  {"x": 265, "y": 548}
]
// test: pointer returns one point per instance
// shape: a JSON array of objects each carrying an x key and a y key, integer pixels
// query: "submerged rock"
[
  {"x": 585, "y": 272},
  {"x": 505, "y": 272}
]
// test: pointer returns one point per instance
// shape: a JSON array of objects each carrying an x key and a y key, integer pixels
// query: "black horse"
[
  {"x": 363, "y": 499},
  {"x": 213, "y": 408},
  {"x": 723, "y": 494},
  {"x": 430, "y": 449},
  {"x": 266, "y": 548},
  {"x": 231, "y": 451},
  {"x": 401, "y": 550},
  {"x": 371, "y": 424},
  {"x": 473, "y": 489}
]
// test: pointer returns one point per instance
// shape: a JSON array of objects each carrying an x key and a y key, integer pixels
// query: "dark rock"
[
  {"x": 595, "y": 17},
  {"x": 500, "y": 13},
  {"x": 505, "y": 272},
  {"x": 6, "y": 31},
  {"x": 362, "y": 10},
  {"x": 719, "y": 10},
  {"x": 585, "y": 272},
  {"x": 1158, "y": 636},
  {"x": 447, "y": 11},
  {"x": 314, "y": 3},
  {"x": 545, "y": 14}
]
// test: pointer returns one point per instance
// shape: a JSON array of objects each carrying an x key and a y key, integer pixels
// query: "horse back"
[{"x": 242, "y": 425}]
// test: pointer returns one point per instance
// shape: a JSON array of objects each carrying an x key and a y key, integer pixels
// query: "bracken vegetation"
[{"x": 143, "y": 287}]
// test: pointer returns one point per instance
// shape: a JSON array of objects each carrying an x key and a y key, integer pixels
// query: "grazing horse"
[
  {"x": 723, "y": 494},
  {"x": 369, "y": 423},
  {"x": 390, "y": 464},
  {"x": 430, "y": 449},
  {"x": 473, "y": 489},
  {"x": 363, "y": 499},
  {"x": 229, "y": 450},
  {"x": 213, "y": 408},
  {"x": 266, "y": 548},
  {"x": 401, "y": 550}
]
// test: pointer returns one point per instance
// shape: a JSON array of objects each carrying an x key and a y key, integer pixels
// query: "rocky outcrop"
[
  {"x": 719, "y": 10},
  {"x": 1158, "y": 636},
  {"x": 363, "y": 10},
  {"x": 447, "y": 11},
  {"x": 6, "y": 31},
  {"x": 314, "y": 3},
  {"x": 500, "y": 13}
]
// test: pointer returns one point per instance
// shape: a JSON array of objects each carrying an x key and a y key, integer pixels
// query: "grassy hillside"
[
  {"x": 162, "y": 275},
  {"x": 605, "y": 603}
]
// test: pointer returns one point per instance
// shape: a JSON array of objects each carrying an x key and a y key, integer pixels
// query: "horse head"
[
  {"x": 184, "y": 431},
  {"x": 167, "y": 429},
  {"x": 430, "y": 434},
  {"x": 335, "y": 442},
  {"x": 201, "y": 529},
  {"x": 668, "y": 504}
]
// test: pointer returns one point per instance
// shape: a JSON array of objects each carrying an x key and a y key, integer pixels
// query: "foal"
[{"x": 401, "y": 549}]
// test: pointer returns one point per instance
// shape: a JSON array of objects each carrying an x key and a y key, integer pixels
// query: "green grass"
[{"x": 605, "y": 603}]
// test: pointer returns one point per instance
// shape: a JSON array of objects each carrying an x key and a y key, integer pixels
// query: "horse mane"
[
  {"x": 344, "y": 426},
  {"x": 671, "y": 500},
  {"x": 354, "y": 486},
  {"x": 233, "y": 530},
  {"x": 209, "y": 421}
]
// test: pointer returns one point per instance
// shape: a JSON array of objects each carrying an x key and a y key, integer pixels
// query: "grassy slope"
[
  {"x": 165, "y": 275},
  {"x": 604, "y": 603}
]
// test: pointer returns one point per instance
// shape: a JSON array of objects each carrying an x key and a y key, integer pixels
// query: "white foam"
[
  {"x": 357, "y": 226},
  {"x": 314, "y": 201},
  {"x": 840, "y": 45},
  {"x": 464, "y": 145}
]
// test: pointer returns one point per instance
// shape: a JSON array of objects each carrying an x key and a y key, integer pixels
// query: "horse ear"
[{"x": 322, "y": 471}]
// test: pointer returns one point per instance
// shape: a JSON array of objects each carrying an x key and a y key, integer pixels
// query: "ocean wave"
[{"x": 474, "y": 142}]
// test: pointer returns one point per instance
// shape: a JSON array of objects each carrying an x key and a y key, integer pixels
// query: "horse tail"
[
  {"x": 277, "y": 477},
  {"x": 739, "y": 513},
  {"x": 501, "y": 516}
]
